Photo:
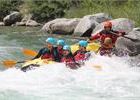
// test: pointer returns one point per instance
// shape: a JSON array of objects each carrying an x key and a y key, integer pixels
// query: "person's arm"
[
  {"x": 38, "y": 55},
  {"x": 94, "y": 37},
  {"x": 75, "y": 53}
]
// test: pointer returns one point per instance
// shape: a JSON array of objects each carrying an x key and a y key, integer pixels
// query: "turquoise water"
[{"x": 101, "y": 78}]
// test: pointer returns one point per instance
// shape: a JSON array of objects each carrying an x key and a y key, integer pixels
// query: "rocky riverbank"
[{"x": 85, "y": 27}]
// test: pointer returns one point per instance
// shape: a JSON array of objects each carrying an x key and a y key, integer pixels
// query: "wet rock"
[
  {"x": 12, "y": 18},
  {"x": 20, "y": 23},
  {"x": 32, "y": 23},
  {"x": 131, "y": 46},
  {"x": 61, "y": 26},
  {"x": 88, "y": 23}
]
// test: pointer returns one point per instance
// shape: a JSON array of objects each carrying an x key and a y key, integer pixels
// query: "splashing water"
[{"x": 100, "y": 78}]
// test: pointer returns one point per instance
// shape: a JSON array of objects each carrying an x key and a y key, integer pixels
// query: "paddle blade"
[
  {"x": 9, "y": 63},
  {"x": 29, "y": 52}
]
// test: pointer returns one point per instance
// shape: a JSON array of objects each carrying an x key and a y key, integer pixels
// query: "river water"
[{"x": 101, "y": 78}]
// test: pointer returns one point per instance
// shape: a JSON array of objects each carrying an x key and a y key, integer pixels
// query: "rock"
[
  {"x": 32, "y": 23},
  {"x": 20, "y": 23},
  {"x": 12, "y": 18},
  {"x": 124, "y": 44},
  {"x": 135, "y": 34},
  {"x": 101, "y": 17},
  {"x": 26, "y": 18},
  {"x": 136, "y": 29},
  {"x": 88, "y": 23},
  {"x": 1, "y": 23},
  {"x": 61, "y": 26},
  {"x": 120, "y": 24}
]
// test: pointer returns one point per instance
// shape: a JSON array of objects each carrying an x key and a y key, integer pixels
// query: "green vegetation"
[
  {"x": 45, "y": 10},
  {"x": 6, "y": 6}
]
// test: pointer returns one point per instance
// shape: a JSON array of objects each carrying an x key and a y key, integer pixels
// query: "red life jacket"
[
  {"x": 70, "y": 62},
  {"x": 79, "y": 55},
  {"x": 67, "y": 59},
  {"x": 104, "y": 34},
  {"x": 60, "y": 52},
  {"x": 48, "y": 55}
]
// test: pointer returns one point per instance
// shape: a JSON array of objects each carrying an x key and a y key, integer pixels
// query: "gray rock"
[
  {"x": 132, "y": 47},
  {"x": 61, "y": 26},
  {"x": 88, "y": 23},
  {"x": 1, "y": 23},
  {"x": 12, "y": 18},
  {"x": 26, "y": 18},
  {"x": 32, "y": 23},
  {"x": 120, "y": 24},
  {"x": 101, "y": 17},
  {"x": 20, "y": 23},
  {"x": 136, "y": 29}
]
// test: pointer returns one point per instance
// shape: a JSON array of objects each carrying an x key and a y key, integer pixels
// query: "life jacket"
[
  {"x": 104, "y": 34},
  {"x": 70, "y": 62},
  {"x": 68, "y": 58},
  {"x": 60, "y": 52},
  {"x": 53, "y": 54},
  {"x": 80, "y": 55}
]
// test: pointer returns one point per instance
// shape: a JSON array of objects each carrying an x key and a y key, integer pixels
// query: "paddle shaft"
[{"x": 123, "y": 36}]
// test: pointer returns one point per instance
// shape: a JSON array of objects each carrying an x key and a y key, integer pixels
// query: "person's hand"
[{"x": 121, "y": 33}]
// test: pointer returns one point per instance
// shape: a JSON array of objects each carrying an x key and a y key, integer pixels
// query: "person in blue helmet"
[
  {"x": 82, "y": 54},
  {"x": 49, "y": 52},
  {"x": 68, "y": 58},
  {"x": 60, "y": 44}
]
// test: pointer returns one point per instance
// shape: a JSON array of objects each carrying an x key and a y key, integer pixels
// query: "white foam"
[{"x": 99, "y": 77}]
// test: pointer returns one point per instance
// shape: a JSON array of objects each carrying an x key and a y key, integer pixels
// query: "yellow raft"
[{"x": 91, "y": 47}]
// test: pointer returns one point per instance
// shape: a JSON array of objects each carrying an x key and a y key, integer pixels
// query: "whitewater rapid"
[{"x": 101, "y": 78}]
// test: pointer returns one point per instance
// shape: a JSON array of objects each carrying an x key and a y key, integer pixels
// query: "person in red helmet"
[{"x": 107, "y": 32}]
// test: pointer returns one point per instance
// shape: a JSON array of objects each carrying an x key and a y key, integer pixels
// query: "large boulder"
[
  {"x": 89, "y": 22},
  {"x": 132, "y": 46},
  {"x": 61, "y": 26},
  {"x": 12, "y": 18},
  {"x": 32, "y": 23},
  {"x": 120, "y": 24}
]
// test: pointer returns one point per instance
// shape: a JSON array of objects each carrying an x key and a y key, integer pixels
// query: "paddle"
[
  {"x": 11, "y": 63},
  {"x": 125, "y": 36},
  {"x": 29, "y": 52}
]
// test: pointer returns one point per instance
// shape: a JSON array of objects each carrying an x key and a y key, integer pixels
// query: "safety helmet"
[
  {"x": 61, "y": 42},
  {"x": 83, "y": 43},
  {"x": 107, "y": 24},
  {"x": 67, "y": 47},
  {"x": 51, "y": 40}
]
